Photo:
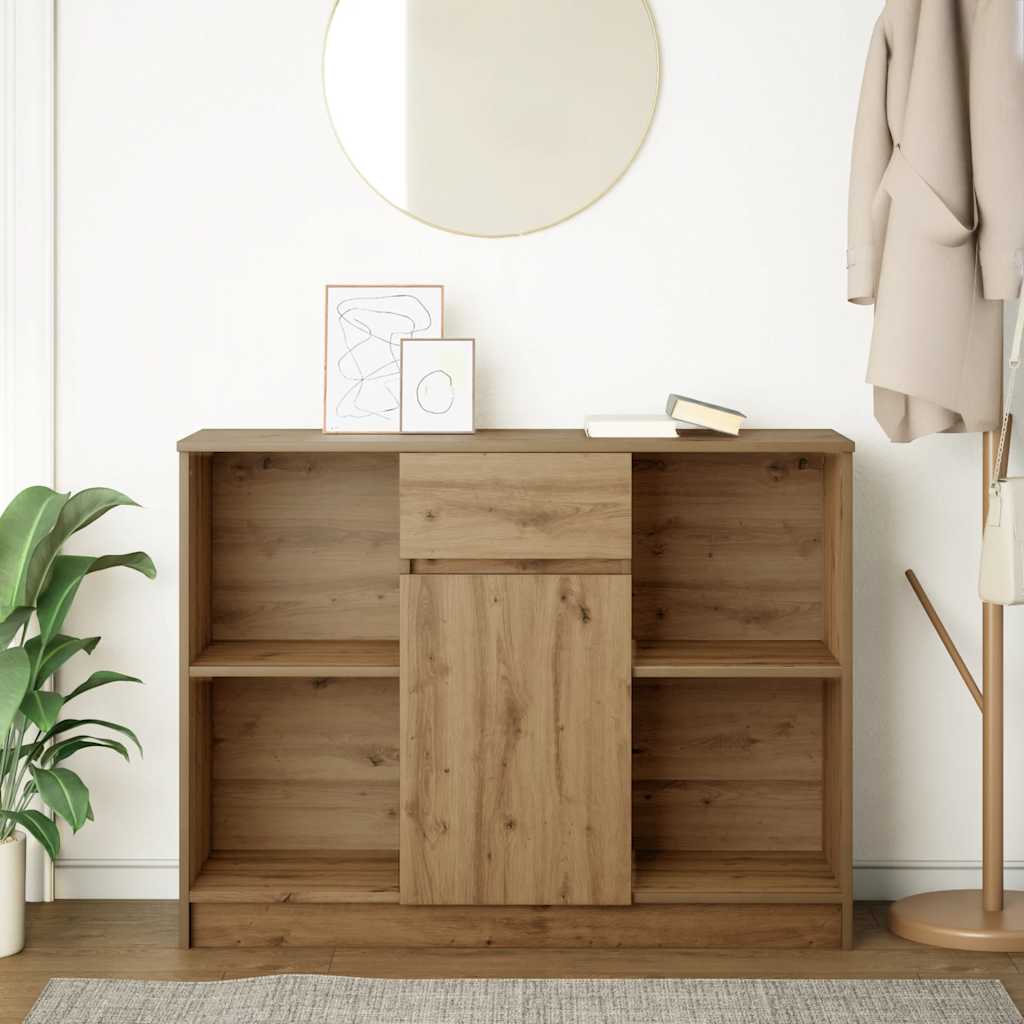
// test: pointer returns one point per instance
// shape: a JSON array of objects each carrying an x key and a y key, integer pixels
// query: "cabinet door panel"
[{"x": 515, "y": 746}]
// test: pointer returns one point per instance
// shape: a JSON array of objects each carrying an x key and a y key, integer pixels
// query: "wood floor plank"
[
  {"x": 659, "y": 963},
  {"x": 135, "y": 939}
]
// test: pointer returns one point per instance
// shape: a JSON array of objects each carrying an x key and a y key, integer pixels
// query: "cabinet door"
[{"x": 515, "y": 747}]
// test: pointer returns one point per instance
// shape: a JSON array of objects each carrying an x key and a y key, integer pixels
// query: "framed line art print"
[
  {"x": 438, "y": 386},
  {"x": 363, "y": 329}
]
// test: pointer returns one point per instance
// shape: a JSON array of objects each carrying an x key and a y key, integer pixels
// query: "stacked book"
[{"x": 681, "y": 414}]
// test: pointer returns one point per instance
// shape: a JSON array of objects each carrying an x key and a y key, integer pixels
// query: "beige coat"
[{"x": 937, "y": 181}]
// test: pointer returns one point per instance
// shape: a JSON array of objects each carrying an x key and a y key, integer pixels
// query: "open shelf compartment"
[
  {"x": 730, "y": 794},
  {"x": 298, "y": 876},
  {"x": 699, "y": 876}
]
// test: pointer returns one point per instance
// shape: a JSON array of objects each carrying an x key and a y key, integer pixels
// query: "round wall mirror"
[{"x": 491, "y": 117}]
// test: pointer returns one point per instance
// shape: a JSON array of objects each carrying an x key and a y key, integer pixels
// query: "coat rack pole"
[
  {"x": 990, "y": 919},
  {"x": 992, "y": 719}
]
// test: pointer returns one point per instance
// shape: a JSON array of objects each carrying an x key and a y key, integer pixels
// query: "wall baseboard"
[
  {"x": 154, "y": 879},
  {"x": 892, "y": 880},
  {"x": 84, "y": 879}
]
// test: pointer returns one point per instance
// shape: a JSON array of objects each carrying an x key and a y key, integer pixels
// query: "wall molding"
[
  {"x": 27, "y": 253},
  {"x": 28, "y": 272}
]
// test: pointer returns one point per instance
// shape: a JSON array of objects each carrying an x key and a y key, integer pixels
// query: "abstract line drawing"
[
  {"x": 372, "y": 330},
  {"x": 364, "y": 332},
  {"x": 438, "y": 385},
  {"x": 435, "y": 392}
]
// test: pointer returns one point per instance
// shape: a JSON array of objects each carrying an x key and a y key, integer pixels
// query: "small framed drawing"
[
  {"x": 438, "y": 386},
  {"x": 363, "y": 328}
]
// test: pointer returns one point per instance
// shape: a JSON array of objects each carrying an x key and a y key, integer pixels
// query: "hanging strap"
[{"x": 1015, "y": 350}]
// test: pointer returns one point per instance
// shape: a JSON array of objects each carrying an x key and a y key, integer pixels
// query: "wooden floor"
[{"x": 101, "y": 939}]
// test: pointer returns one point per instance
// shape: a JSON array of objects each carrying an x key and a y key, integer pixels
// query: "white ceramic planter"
[{"x": 12, "y": 895}]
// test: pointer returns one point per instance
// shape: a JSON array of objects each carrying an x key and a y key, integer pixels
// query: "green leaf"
[
  {"x": 55, "y": 601},
  {"x": 64, "y": 793},
  {"x": 89, "y": 814},
  {"x": 73, "y": 723},
  {"x": 25, "y": 522},
  {"x": 100, "y": 679},
  {"x": 137, "y": 560},
  {"x": 10, "y": 626},
  {"x": 61, "y": 648},
  {"x": 65, "y": 748},
  {"x": 68, "y": 573},
  {"x": 79, "y": 511},
  {"x": 39, "y": 825},
  {"x": 31, "y": 750},
  {"x": 15, "y": 678},
  {"x": 42, "y": 708}
]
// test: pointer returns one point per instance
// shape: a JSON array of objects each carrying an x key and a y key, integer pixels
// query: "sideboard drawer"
[{"x": 515, "y": 506}]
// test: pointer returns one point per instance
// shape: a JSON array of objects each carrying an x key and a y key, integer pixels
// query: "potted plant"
[{"x": 37, "y": 587}]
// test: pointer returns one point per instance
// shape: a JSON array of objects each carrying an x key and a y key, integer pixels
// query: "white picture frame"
[
  {"x": 363, "y": 328},
  {"x": 438, "y": 385}
]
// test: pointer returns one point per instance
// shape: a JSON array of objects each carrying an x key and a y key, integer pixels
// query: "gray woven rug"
[{"x": 318, "y": 999}]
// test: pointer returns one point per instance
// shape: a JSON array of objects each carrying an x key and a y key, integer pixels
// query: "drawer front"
[{"x": 515, "y": 506}]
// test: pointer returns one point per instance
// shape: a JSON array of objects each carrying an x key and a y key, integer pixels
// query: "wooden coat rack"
[{"x": 989, "y": 918}]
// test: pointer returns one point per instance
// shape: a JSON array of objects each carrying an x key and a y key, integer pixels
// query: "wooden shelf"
[
  {"x": 311, "y": 441},
  {"x": 788, "y": 659},
  {"x": 298, "y": 876},
  {"x": 313, "y": 876},
  {"x": 328, "y": 658},
  {"x": 714, "y": 877}
]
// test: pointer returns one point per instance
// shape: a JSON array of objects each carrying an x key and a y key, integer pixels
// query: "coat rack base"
[{"x": 956, "y": 919}]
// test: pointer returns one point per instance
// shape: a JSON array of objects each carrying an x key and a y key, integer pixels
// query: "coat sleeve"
[
  {"x": 997, "y": 142},
  {"x": 872, "y": 151}
]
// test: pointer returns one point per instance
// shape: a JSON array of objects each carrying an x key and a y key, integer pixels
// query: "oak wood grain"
[
  {"x": 329, "y": 658},
  {"x": 194, "y": 625},
  {"x": 757, "y": 659},
  {"x": 308, "y": 876},
  {"x": 741, "y": 553},
  {"x": 316, "y": 731},
  {"x": 297, "y": 814},
  {"x": 709, "y": 926},
  {"x": 838, "y": 790},
  {"x": 737, "y": 729},
  {"x": 305, "y": 547},
  {"x": 686, "y": 814},
  {"x": 314, "y": 441},
  {"x": 515, "y": 740},
  {"x": 728, "y": 547},
  {"x": 512, "y": 506},
  {"x": 515, "y": 566},
  {"x": 677, "y": 876}
]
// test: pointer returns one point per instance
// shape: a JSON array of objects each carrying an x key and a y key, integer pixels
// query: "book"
[
  {"x": 633, "y": 426},
  {"x": 704, "y": 414}
]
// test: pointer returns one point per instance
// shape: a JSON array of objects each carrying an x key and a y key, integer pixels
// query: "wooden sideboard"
[{"x": 515, "y": 688}]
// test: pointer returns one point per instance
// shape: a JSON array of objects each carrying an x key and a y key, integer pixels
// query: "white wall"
[
  {"x": 204, "y": 202},
  {"x": 27, "y": 368}
]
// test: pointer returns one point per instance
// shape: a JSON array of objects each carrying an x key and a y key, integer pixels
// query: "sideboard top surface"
[{"x": 826, "y": 442}]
